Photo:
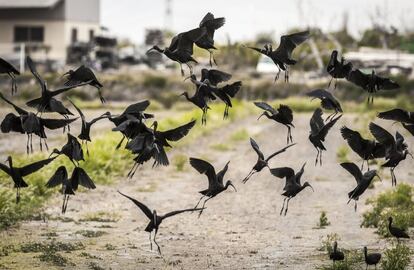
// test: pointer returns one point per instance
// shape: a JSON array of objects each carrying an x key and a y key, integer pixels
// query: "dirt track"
[{"x": 240, "y": 230}]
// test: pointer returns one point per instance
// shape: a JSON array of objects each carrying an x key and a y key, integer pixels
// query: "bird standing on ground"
[
  {"x": 155, "y": 219},
  {"x": 372, "y": 258},
  {"x": 318, "y": 132},
  {"x": 335, "y": 254},
  {"x": 215, "y": 181},
  {"x": 83, "y": 74},
  {"x": 11, "y": 71},
  {"x": 399, "y": 115},
  {"x": 206, "y": 42},
  {"x": 282, "y": 56},
  {"x": 396, "y": 232},
  {"x": 17, "y": 173},
  {"x": 262, "y": 162},
  {"x": 282, "y": 115},
  {"x": 292, "y": 184},
  {"x": 363, "y": 180},
  {"x": 328, "y": 101},
  {"x": 338, "y": 69}
]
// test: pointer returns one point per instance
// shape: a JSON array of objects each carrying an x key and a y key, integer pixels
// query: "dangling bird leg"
[
  {"x": 199, "y": 201},
  {"x": 283, "y": 206},
  {"x": 277, "y": 74},
  {"x": 155, "y": 241},
  {"x": 320, "y": 157},
  {"x": 287, "y": 206},
  {"x": 130, "y": 172},
  {"x": 63, "y": 204},
  {"x": 150, "y": 240},
  {"x": 27, "y": 144},
  {"x": 214, "y": 60},
  {"x": 120, "y": 143},
  {"x": 356, "y": 205},
  {"x": 202, "y": 208},
  {"x": 248, "y": 176},
  {"x": 330, "y": 81},
  {"x": 45, "y": 142},
  {"x": 211, "y": 56},
  {"x": 31, "y": 143},
  {"x": 317, "y": 156}
]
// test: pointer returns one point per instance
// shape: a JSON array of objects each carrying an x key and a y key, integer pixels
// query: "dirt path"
[{"x": 240, "y": 230}]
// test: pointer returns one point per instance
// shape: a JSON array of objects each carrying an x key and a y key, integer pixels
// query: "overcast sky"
[{"x": 244, "y": 19}]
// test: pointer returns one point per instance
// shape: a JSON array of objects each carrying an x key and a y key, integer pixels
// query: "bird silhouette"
[
  {"x": 395, "y": 149},
  {"x": 215, "y": 180},
  {"x": 328, "y": 101},
  {"x": 180, "y": 49},
  {"x": 72, "y": 149},
  {"x": 363, "y": 180},
  {"x": 318, "y": 132},
  {"x": 282, "y": 115},
  {"x": 282, "y": 56},
  {"x": 83, "y": 74},
  {"x": 155, "y": 219},
  {"x": 395, "y": 231},
  {"x": 372, "y": 258},
  {"x": 225, "y": 93},
  {"x": 262, "y": 162},
  {"x": 371, "y": 83},
  {"x": 366, "y": 149},
  {"x": 402, "y": 116},
  {"x": 335, "y": 254},
  {"x": 292, "y": 184},
  {"x": 338, "y": 69},
  {"x": 18, "y": 173},
  {"x": 214, "y": 76},
  {"x": 206, "y": 42},
  {"x": 11, "y": 71},
  {"x": 136, "y": 110}
]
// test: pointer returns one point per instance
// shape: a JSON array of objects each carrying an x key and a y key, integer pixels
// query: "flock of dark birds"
[{"x": 148, "y": 142}]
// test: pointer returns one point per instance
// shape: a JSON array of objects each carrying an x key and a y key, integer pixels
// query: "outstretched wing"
[
  {"x": 381, "y": 135},
  {"x": 58, "y": 177},
  {"x": 332, "y": 62},
  {"x": 324, "y": 131},
  {"x": 214, "y": 76},
  {"x": 82, "y": 116},
  {"x": 358, "y": 78},
  {"x": 266, "y": 107},
  {"x": 286, "y": 111},
  {"x": 31, "y": 168},
  {"x": 283, "y": 172},
  {"x": 56, "y": 123},
  {"x": 221, "y": 173},
  {"x": 316, "y": 122},
  {"x": 141, "y": 206},
  {"x": 399, "y": 115},
  {"x": 177, "y": 133},
  {"x": 386, "y": 83},
  {"x": 354, "y": 140},
  {"x": 173, "y": 213},
  {"x": 33, "y": 70},
  {"x": 82, "y": 178},
  {"x": 262, "y": 51},
  {"x": 353, "y": 169},
  {"x": 206, "y": 168},
  {"x": 256, "y": 148},
  {"x": 8, "y": 66},
  {"x": 289, "y": 42},
  {"x": 279, "y": 152},
  {"x": 186, "y": 40}
]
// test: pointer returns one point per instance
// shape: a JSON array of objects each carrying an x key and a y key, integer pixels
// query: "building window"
[
  {"x": 91, "y": 35},
  {"x": 29, "y": 34},
  {"x": 74, "y": 35}
]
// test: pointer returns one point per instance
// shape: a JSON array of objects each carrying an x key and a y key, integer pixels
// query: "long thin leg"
[
  {"x": 211, "y": 54},
  {"x": 181, "y": 68},
  {"x": 362, "y": 166},
  {"x": 277, "y": 74},
  {"x": 248, "y": 176},
  {"x": 199, "y": 202},
  {"x": 214, "y": 60},
  {"x": 356, "y": 205},
  {"x": 330, "y": 81},
  {"x": 317, "y": 156},
  {"x": 17, "y": 195},
  {"x": 63, "y": 204},
  {"x": 287, "y": 206},
  {"x": 27, "y": 144},
  {"x": 283, "y": 205},
  {"x": 204, "y": 204},
  {"x": 320, "y": 157},
  {"x": 31, "y": 143},
  {"x": 155, "y": 241}
]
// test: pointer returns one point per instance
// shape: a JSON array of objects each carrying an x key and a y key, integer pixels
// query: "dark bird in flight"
[
  {"x": 338, "y": 69},
  {"x": 371, "y": 258},
  {"x": 17, "y": 173},
  {"x": 215, "y": 180},
  {"x": 399, "y": 115},
  {"x": 72, "y": 149},
  {"x": 83, "y": 74},
  {"x": 283, "y": 115},
  {"x": 363, "y": 180},
  {"x": 225, "y": 93},
  {"x": 213, "y": 77},
  {"x": 395, "y": 149},
  {"x": 366, "y": 149},
  {"x": 181, "y": 47},
  {"x": 292, "y": 184},
  {"x": 136, "y": 110},
  {"x": 29, "y": 123},
  {"x": 206, "y": 42},
  {"x": 371, "y": 83},
  {"x": 11, "y": 71},
  {"x": 262, "y": 162},
  {"x": 396, "y": 232},
  {"x": 282, "y": 56},
  {"x": 328, "y": 101},
  {"x": 47, "y": 102},
  {"x": 155, "y": 219},
  {"x": 70, "y": 185},
  {"x": 335, "y": 254},
  {"x": 318, "y": 132},
  {"x": 84, "y": 135}
]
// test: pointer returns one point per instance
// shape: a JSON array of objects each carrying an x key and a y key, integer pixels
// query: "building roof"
[{"x": 28, "y": 3}]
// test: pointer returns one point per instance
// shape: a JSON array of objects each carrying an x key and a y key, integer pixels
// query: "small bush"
[
  {"x": 342, "y": 153},
  {"x": 179, "y": 161},
  {"x": 397, "y": 258},
  {"x": 328, "y": 241},
  {"x": 323, "y": 221},
  {"x": 155, "y": 81},
  {"x": 90, "y": 234},
  {"x": 240, "y": 135}
]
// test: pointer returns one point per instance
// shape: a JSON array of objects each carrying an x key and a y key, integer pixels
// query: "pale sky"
[{"x": 246, "y": 18}]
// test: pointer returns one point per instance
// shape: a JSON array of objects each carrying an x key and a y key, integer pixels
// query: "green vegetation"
[
  {"x": 109, "y": 246},
  {"x": 396, "y": 258},
  {"x": 90, "y": 233},
  {"x": 95, "y": 266},
  {"x": 398, "y": 203},
  {"x": 323, "y": 221},
  {"x": 342, "y": 153},
  {"x": 55, "y": 259},
  {"x": 222, "y": 147},
  {"x": 52, "y": 246},
  {"x": 240, "y": 135},
  {"x": 328, "y": 241},
  {"x": 179, "y": 161},
  {"x": 101, "y": 216}
]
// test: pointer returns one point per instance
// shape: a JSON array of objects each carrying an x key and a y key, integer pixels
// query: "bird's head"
[
  {"x": 107, "y": 114},
  {"x": 9, "y": 160},
  {"x": 230, "y": 183},
  {"x": 306, "y": 184},
  {"x": 70, "y": 72},
  {"x": 154, "y": 125},
  {"x": 264, "y": 113},
  {"x": 390, "y": 220},
  {"x": 184, "y": 94},
  {"x": 334, "y": 54},
  {"x": 192, "y": 77},
  {"x": 335, "y": 245},
  {"x": 371, "y": 174},
  {"x": 155, "y": 48},
  {"x": 365, "y": 250},
  {"x": 55, "y": 151}
]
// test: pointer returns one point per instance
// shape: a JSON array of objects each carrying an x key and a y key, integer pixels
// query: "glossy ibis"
[
  {"x": 155, "y": 219},
  {"x": 395, "y": 149},
  {"x": 47, "y": 102},
  {"x": 328, "y": 101},
  {"x": 11, "y": 71},
  {"x": 215, "y": 180},
  {"x": 399, "y": 115},
  {"x": 282, "y": 115},
  {"x": 338, "y": 69},
  {"x": 225, "y": 93},
  {"x": 206, "y": 42},
  {"x": 136, "y": 110},
  {"x": 372, "y": 258},
  {"x": 363, "y": 180},
  {"x": 72, "y": 149},
  {"x": 282, "y": 56},
  {"x": 213, "y": 76},
  {"x": 181, "y": 47},
  {"x": 366, "y": 149},
  {"x": 396, "y": 232},
  {"x": 371, "y": 83},
  {"x": 29, "y": 123},
  {"x": 17, "y": 173},
  {"x": 292, "y": 184},
  {"x": 83, "y": 74},
  {"x": 318, "y": 132},
  {"x": 335, "y": 254},
  {"x": 262, "y": 162}
]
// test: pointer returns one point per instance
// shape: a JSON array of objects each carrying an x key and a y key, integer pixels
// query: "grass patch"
[
  {"x": 95, "y": 266},
  {"x": 101, "y": 216},
  {"x": 90, "y": 233},
  {"x": 323, "y": 221},
  {"x": 55, "y": 259},
  {"x": 109, "y": 246},
  {"x": 222, "y": 147},
  {"x": 240, "y": 135},
  {"x": 53, "y": 246},
  {"x": 397, "y": 203},
  {"x": 396, "y": 258},
  {"x": 179, "y": 161},
  {"x": 342, "y": 153}
]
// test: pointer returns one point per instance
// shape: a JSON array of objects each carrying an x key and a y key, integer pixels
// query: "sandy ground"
[{"x": 238, "y": 230}]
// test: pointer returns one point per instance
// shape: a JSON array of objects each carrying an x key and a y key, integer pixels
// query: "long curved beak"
[
  {"x": 379, "y": 177},
  {"x": 233, "y": 187},
  {"x": 189, "y": 77},
  {"x": 150, "y": 49},
  {"x": 260, "y": 116},
  {"x": 312, "y": 188},
  {"x": 411, "y": 155},
  {"x": 63, "y": 75}
]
